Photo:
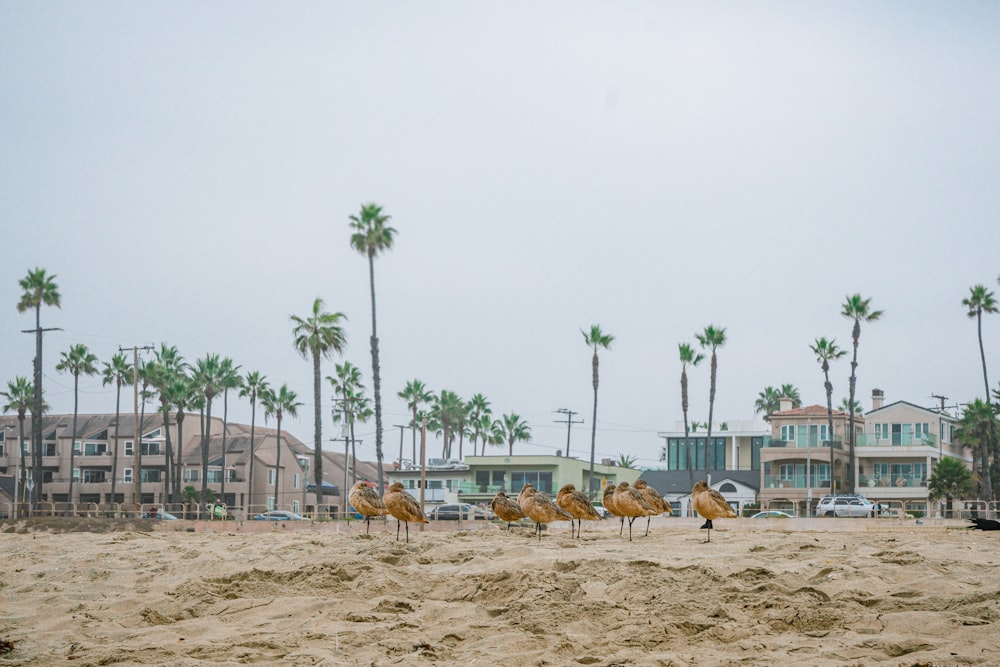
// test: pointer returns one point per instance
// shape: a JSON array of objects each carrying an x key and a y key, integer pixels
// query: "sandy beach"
[{"x": 832, "y": 592}]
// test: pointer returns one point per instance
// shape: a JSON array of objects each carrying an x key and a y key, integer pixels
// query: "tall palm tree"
[
  {"x": 184, "y": 395},
  {"x": 415, "y": 393},
  {"x": 40, "y": 289},
  {"x": 514, "y": 429},
  {"x": 768, "y": 401},
  {"x": 19, "y": 395},
  {"x": 77, "y": 361},
  {"x": 712, "y": 338},
  {"x": 277, "y": 404},
  {"x": 977, "y": 430},
  {"x": 595, "y": 339},
  {"x": 479, "y": 419},
  {"x": 444, "y": 415},
  {"x": 792, "y": 392},
  {"x": 252, "y": 387},
  {"x": 118, "y": 372},
  {"x": 162, "y": 373},
  {"x": 371, "y": 237},
  {"x": 208, "y": 378},
  {"x": 318, "y": 335},
  {"x": 347, "y": 384},
  {"x": 845, "y": 406},
  {"x": 950, "y": 480},
  {"x": 827, "y": 351},
  {"x": 229, "y": 378},
  {"x": 689, "y": 357},
  {"x": 979, "y": 301},
  {"x": 858, "y": 310}
]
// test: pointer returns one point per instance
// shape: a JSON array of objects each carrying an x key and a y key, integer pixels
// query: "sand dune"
[{"x": 766, "y": 593}]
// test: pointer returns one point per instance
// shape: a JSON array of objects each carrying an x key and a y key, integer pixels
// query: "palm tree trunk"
[
  {"x": 206, "y": 435},
  {"x": 354, "y": 454},
  {"x": 856, "y": 334},
  {"x": 225, "y": 423},
  {"x": 20, "y": 446},
  {"x": 414, "y": 432},
  {"x": 138, "y": 447},
  {"x": 829, "y": 415},
  {"x": 114, "y": 463},
  {"x": 178, "y": 473},
  {"x": 253, "y": 418},
  {"x": 711, "y": 408},
  {"x": 277, "y": 466},
  {"x": 317, "y": 435},
  {"x": 169, "y": 459},
  {"x": 687, "y": 437},
  {"x": 72, "y": 448},
  {"x": 376, "y": 377},
  {"x": 982, "y": 355},
  {"x": 595, "y": 380},
  {"x": 36, "y": 410}
]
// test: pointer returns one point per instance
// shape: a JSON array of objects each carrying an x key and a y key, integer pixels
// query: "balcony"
[
  {"x": 797, "y": 481},
  {"x": 902, "y": 481},
  {"x": 473, "y": 487},
  {"x": 805, "y": 443},
  {"x": 897, "y": 440}
]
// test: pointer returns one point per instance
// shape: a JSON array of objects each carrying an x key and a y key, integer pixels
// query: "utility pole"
[
  {"x": 423, "y": 463},
  {"x": 569, "y": 424},
  {"x": 36, "y": 414},
  {"x": 137, "y": 437},
  {"x": 940, "y": 427},
  {"x": 401, "y": 428}
]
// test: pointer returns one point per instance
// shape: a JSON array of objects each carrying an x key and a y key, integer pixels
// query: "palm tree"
[
  {"x": 688, "y": 358},
  {"x": 347, "y": 383},
  {"x": 711, "y": 338},
  {"x": 977, "y": 431},
  {"x": 792, "y": 392},
  {"x": 845, "y": 406},
  {"x": 827, "y": 351},
  {"x": 162, "y": 373},
  {"x": 253, "y": 386},
  {"x": 513, "y": 429},
  {"x": 479, "y": 416},
  {"x": 229, "y": 378},
  {"x": 858, "y": 310},
  {"x": 40, "y": 289},
  {"x": 595, "y": 338},
  {"x": 184, "y": 394},
  {"x": 768, "y": 401},
  {"x": 77, "y": 361},
  {"x": 208, "y": 379},
  {"x": 278, "y": 404},
  {"x": 415, "y": 393},
  {"x": 318, "y": 335},
  {"x": 626, "y": 460},
  {"x": 371, "y": 237},
  {"x": 950, "y": 480},
  {"x": 444, "y": 415},
  {"x": 980, "y": 301},
  {"x": 19, "y": 395},
  {"x": 118, "y": 372}
]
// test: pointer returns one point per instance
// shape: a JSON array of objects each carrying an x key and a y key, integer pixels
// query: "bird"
[
  {"x": 525, "y": 490},
  {"x": 984, "y": 524},
  {"x": 710, "y": 504},
  {"x": 366, "y": 502},
  {"x": 609, "y": 505},
  {"x": 540, "y": 508},
  {"x": 632, "y": 503},
  {"x": 404, "y": 507},
  {"x": 506, "y": 508},
  {"x": 654, "y": 498},
  {"x": 578, "y": 505}
]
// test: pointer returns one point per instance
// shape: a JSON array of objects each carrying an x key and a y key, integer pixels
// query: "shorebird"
[
  {"x": 366, "y": 503},
  {"x": 578, "y": 505},
  {"x": 404, "y": 507},
  {"x": 540, "y": 508},
  {"x": 525, "y": 490},
  {"x": 632, "y": 503},
  {"x": 609, "y": 505},
  {"x": 710, "y": 504},
  {"x": 506, "y": 508},
  {"x": 654, "y": 498}
]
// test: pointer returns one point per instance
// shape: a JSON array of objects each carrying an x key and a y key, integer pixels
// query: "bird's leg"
[
  {"x": 397, "y": 530},
  {"x": 630, "y": 520},
  {"x": 407, "y": 532},
  {"x": 621, "y": 531},
  {"x": 648, "y": 519}
]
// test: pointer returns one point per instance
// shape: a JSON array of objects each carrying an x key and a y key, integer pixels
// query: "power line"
[{"x": 569, "y": 423}]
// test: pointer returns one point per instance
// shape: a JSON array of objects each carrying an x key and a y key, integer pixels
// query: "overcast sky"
[{"x": 187, "y": 170}]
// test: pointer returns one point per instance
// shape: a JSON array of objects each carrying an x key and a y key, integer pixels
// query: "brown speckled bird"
[
  {"x": 366, "y": 503},
  {"x": 578, "y": 505},
  {"x": 632, "y": 503},
  {"x": 540, "y": 509},
  {"x": 403, "y": 507},
  {"x": 506, "y": 508},
  {"x": 654, "y": 498},
  {"x": 710, "y": 504},
  {"x": 609, "y": 505},
  {"x": 525, "y": 490}
]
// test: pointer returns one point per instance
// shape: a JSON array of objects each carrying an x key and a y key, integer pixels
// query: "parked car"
[
  {"x": 772, "y": 514},
  {"x": 158, "y": 513},
  {"x": 602, "y": 511},
  {"x": 450, "y": 512},
  {"x": 278, "y": 515},
  {"x": 846, "y": 506}
]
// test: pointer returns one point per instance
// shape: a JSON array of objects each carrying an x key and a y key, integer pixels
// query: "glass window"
[
  {"x": 295, "y": 482},
  {"x": 76, "y": 474},
  {"x": 272, "y": 477},
  {"x": 129, "y": 449},
  {"x": 127, "y": 475}
]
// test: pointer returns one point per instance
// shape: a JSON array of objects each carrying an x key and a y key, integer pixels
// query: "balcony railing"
[
  {"x": 892, "y": 481},
  {"x": 473, "y": 487},
  {"x": 795, "y": 482},
  {"x": 805, "y": 444},
  {"x": 897, "y": 440}
]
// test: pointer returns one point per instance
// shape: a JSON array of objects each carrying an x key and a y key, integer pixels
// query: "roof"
[
  {"x": 930, "y": 411},
  {"x": 810, "y": 411},
  {"x": 679, "y": 481}
]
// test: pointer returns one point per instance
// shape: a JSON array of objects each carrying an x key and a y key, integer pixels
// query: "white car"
[{"x": 846, "y": 506}]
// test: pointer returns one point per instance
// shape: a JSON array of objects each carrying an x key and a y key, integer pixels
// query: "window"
[
  {"x": 3, "y": 452},
  {"x": 295, "y": 506},
  {"x": 151, "y": 475},
  {"x": 129, "y": 448},
  {"x": 151, "y": 448},
  {"x": 77, "y": 447},
  {"x": 48, "y": 449},
  {"x": 95, "y": 448},
  {"x": 272, "y": 476},
  {"x": 94, "y": 477},
  {"x": 127, "y": 475},
  {"x": 921, "y": 431},
  {"x": 295, "y": 482},
  {"x": 677, "y": 459},
  {"x": 271, "y": 505},
  {"x": 192, "y": 475},
  {"x": 76, "y": 474},
  {"x": 540, "y": 480},
  {"x": 788, "y": 433},
  {"x": 214, "y": 476}
]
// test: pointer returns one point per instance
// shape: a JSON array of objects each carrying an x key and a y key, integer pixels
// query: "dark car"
[
  {"x": 278, "y": 515},
  {"x": 451, "y": 512}
]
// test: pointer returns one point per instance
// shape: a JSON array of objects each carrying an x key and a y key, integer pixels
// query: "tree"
[
  {"x": 229, "y": 378},
  {"x": 480, "y": 416},
  {"x": 415, "y": 393},
  {"x": 277, "y": 404},
  {"x": 768, "y": 401},
  {"x": 977, "y": 430},
  {"x": 712, "y": 338},
  {"x": 979, "y": 301},
  {"x": 514, "y": 429},
  {"x": 827, "y": 351},
  {"x": 77, "y": 361},
  {"x": 184, "y": 394},
  {"x": 595, "y": 339},
  {"x": 371, "y": 237},
  {"x": 445, "y": 413},
  {"x": 208, "y": 379},
  {"x": 845, "y": 406},
  {"x": 626, "y": 460},
  {"x": 319, "y": 335},
  {"x": 252, "y": 387},
  {"x": 858, "y": 310},
  {"x": 950, "y": 480},
  {"x": 347, "y": 383},
  {"x": 40, "y": 289},
  {"x": 792, "y": 392},
  {"x": 162, "y": 373},
  {"x": 118, "y": 372},
  {"x": 689, "y": 357},
  {"x": 19, "y": 395}
]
